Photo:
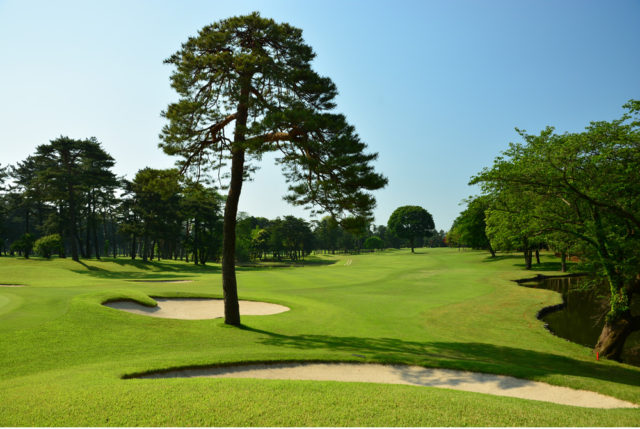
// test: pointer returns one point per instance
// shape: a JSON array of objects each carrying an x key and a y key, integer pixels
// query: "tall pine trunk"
[{"x": 229, "y": 283}]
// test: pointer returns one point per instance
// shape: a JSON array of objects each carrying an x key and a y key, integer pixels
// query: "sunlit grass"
[{"x": 62, "y": 354}]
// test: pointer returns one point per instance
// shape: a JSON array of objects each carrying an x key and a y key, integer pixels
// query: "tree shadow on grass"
[
  {"x": 545, "y": 266},
  {"x": 151, "y": 270},
  {"x": 466, "y": 356},
  {"x": 497, "y": 258},
  {"x": 172, "y": 270}
]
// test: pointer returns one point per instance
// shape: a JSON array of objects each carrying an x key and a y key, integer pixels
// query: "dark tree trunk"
[
  {"x": 87, "y": 247},
  {"x": 563, "y": 261},
  {"x": 493, "y": 252},
  {"x": 411, "y": 240},
  {"x": 528, "y": 258},
  {"x": 94, "y": 219},
  {"x": 74, "y": 226},
  {"x": 195, "y": 241},
  {"x": 614, "y": 335},
  {"x": 133, "y": 246},
  {"x": 537, "y": 256},
  {"x": 229, "y": 284}
]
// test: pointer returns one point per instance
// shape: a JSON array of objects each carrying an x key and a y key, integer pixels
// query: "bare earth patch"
[
  {"x": 195, "y": 308},
  {"x": 411, "y": 375}
]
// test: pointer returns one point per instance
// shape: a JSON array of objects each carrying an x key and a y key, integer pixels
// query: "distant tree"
[
  {"x": 260, "y": 238},
  {"x": 256, "y": 74},
  {"x": 48, "y": 245},
  {"x": 438, "y": 239},
  {"x": 24, "y": 245},
  {"x": 410, "y": 222},
  {"x": 69, "y": 170},
  {"x": 470, "y": 226},
  {"x": 374, "y": 242},
  {"x": 327, "y": 232},
  {"x": 201, "y": 206},
  {"x": 157, "y": 199}
]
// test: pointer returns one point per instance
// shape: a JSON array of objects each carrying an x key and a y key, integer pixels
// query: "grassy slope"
[{"x": 62, "y": 354}]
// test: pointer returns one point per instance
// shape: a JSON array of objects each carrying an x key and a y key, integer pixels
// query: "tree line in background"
[
  {"x": 576, "y": 194},
  {"x": 65, "y": 200}
]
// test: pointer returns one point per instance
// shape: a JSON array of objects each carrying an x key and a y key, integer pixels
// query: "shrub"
[
  {"x": 48, "y": 245},
  {"x": 374, "y": 242}
]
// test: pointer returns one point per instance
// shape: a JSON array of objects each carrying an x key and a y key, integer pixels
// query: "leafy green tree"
[
  {"x": 256, "y": 74},
  {"x": 470, "y": 225},
  {"x": 48, "y": 245},
  {"x": 411, "y": 222},
  {"x": 24, "y": 244},
  {"x": 374, "y": 242},
  {"x": 587, "y": 186},
  {"x": 438, "y": 239},
  {"x": 327, "y": 233},
  {"x": 260, "y": 242}
]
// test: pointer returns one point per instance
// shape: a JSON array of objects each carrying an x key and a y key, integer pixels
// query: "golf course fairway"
[{"x": 65, "y": 358}]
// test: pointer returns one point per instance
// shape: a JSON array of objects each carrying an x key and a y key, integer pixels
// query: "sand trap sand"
[
  {"x": 162, "y": 281},
  {"x": 195, "y": 308},
  {"x": 412, "y": 375},
  {"x": 11, "y": 285}
]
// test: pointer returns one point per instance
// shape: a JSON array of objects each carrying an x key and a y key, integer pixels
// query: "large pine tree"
[{"x": 246, "y": 87}]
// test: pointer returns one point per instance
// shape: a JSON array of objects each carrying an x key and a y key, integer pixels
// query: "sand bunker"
[
  {"x": 412, "y": 375},
  {"x": 2, "y": 285},
  {"x": 195, "y": 308},
  {"x": 162, "y": 281}
]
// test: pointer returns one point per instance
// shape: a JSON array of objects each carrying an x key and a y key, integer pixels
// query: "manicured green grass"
[{"x": 62, "y": 354}]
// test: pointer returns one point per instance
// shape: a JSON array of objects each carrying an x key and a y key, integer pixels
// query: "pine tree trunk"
[
  {"x": 229, "y": 284},
  {"x": 87, "y": 242},
  {"x": 94, "y": 220},
  {"x": 133, "y": 246},
  {"x": 537, "y": 256},
  {"x": 563, "y": 261}
]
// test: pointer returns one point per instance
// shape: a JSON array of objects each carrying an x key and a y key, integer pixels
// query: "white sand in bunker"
[
  {"x": 162, "y": 281},
  {"x": 411, "y": 375},
  {"x": 195, "y": 308},
  {"x": 3, "y": 285}
]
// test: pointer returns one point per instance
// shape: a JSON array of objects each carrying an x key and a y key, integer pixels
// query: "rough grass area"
[{"x": 63, "y": 354}]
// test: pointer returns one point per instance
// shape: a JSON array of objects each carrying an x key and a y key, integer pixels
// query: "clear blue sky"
[{"x": 436, "y": 87}]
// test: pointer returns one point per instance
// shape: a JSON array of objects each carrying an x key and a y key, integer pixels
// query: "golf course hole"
[
  {"x": 492, "y": 384},
  {"x": 195, "y": 308},
  {"x": 162, "y": 281}
]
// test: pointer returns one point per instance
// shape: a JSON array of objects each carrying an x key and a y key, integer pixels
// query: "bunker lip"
[
  {"x": 500, "y": 385},
  {"x": 194, "y": 308}
]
